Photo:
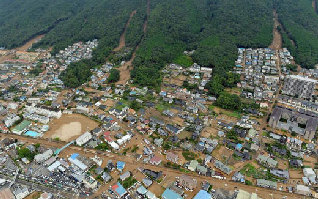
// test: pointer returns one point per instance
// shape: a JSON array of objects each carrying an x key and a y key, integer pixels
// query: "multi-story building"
[
  {"x": 304, "y": 124},
  {"x": 299, "y": 86}
]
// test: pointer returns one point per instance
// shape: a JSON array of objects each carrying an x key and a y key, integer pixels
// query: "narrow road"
[{"x": 132, "y": 164}]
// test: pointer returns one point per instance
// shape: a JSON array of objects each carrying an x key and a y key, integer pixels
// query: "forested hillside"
[
  {"x": 300, "y": 30},
  {"x": 20, "y": 20},
  {"x": 214, "y": 28}
]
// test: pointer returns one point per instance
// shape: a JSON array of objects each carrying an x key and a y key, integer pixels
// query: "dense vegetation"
[
  {"x": 228, "y": 101},
  {"x": 21, "y": 20},
  {"x": 77, "y": 73},
  {"x": 218, "y": 82},
  {"x": 300, "y": 30},
  {"x": 36, "y": 70},
  {"x": 213, "y": 28},
  {"x": 25, "y": 153},
  {"x": 114, "y": 76}
]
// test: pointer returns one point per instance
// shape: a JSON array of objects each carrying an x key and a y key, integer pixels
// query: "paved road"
[
  {"x": 131, "y": 163},
  {"x": 39, "y": 187}
]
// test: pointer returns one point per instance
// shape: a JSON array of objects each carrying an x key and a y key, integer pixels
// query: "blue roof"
[
  {"x": 239, "y": 146},
  {"x": 169, "y": 194},
  {"x": 74, "y": 156},
  {"x": 120, "y": 189},
  {"x": 132, "y": 93},
  {"x": 120, "y": 165},
  {"x": 202, "y": 195},
  {"x": 142, "y": 190}
]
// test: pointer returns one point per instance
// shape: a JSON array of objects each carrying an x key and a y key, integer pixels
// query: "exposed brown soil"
[
  {"x": 33, "y": 195},
  {"x": 4, "y": 58},
  {"x": 277, "y": 37},
  {"x": 25, "y": 47},
  {"x": 29, "y": 44},
  {"x": 69, "y": 127},
  {"x": 122, "y": 40},
  {"x": 126, "y": 68}
]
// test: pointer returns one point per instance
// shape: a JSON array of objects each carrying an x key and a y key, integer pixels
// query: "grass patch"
[
  {"x": 129, "y": 182},
  {"x": 250, "y": 171},
  {"x": 232, "y": 114},
  {"x": 188, "y": 155},
  {"x": 183, "y": 60}
]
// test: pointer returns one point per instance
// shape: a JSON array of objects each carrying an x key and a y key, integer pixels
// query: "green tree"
[
  {"x": 229, "y": 101},
  {"x": 114, "y": 76}
]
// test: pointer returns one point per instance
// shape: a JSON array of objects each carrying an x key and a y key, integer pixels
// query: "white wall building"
[
  {"x": 42, "y": 110},
  {"x": 43, "y": 156},
  {"x": 84, "y": 138}
]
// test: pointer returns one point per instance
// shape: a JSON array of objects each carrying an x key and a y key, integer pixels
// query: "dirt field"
[
  {"x": 309, "y": 161},
  {"x": 69, "y": 127},
  {"x": 282, "y": 164},
  {"x": 34, "y": 195},
  {"x": 176, "y": 80},
  {"x": 296, "y": 173},
  {"x": 211, "y": 130},
  {"x": 222, "y": 153}
]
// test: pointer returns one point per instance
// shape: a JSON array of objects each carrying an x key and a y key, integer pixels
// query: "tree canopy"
[{"x": 213, "y": 28}]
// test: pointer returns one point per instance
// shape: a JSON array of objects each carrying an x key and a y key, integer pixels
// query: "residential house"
[
  {"x": 267, "y": 161},
  {"x": 187, "y": 182},
  {"x": 280, "y": 173},
  {"x": 266, "y": 183},
  {"x": 303, "y": 190},
  {"x": 193, "y": 165},
  {"x": 218, "y": 164},
  {"x": 238, "y": 177},
  {"x": 155, "y": 160},
  {"x": 83, "y": 139},
  {"x": 169, "y": 194},
  {"x": 203, "y": 194},
  {"x": 119, "y": 190},
  {"x": 170, "y": 156},
  {"x": 125, "y": 175}
]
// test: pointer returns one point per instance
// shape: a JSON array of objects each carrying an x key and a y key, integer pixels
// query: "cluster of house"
[
  {"x": 196, "y": 74},
  {"x": 76, "y": 52},
  {"x": 100, "y": 75},
  {"x": 63, "y": 174},
  {"x": 297, "y": 151},
  {"x": 259, "y": 72},
  {"x": 312, "y": 73},
  {"x": 285, "y": 57}
]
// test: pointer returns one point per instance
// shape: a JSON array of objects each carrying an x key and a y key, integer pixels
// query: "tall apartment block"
[{"x": 299, "y": 86}]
